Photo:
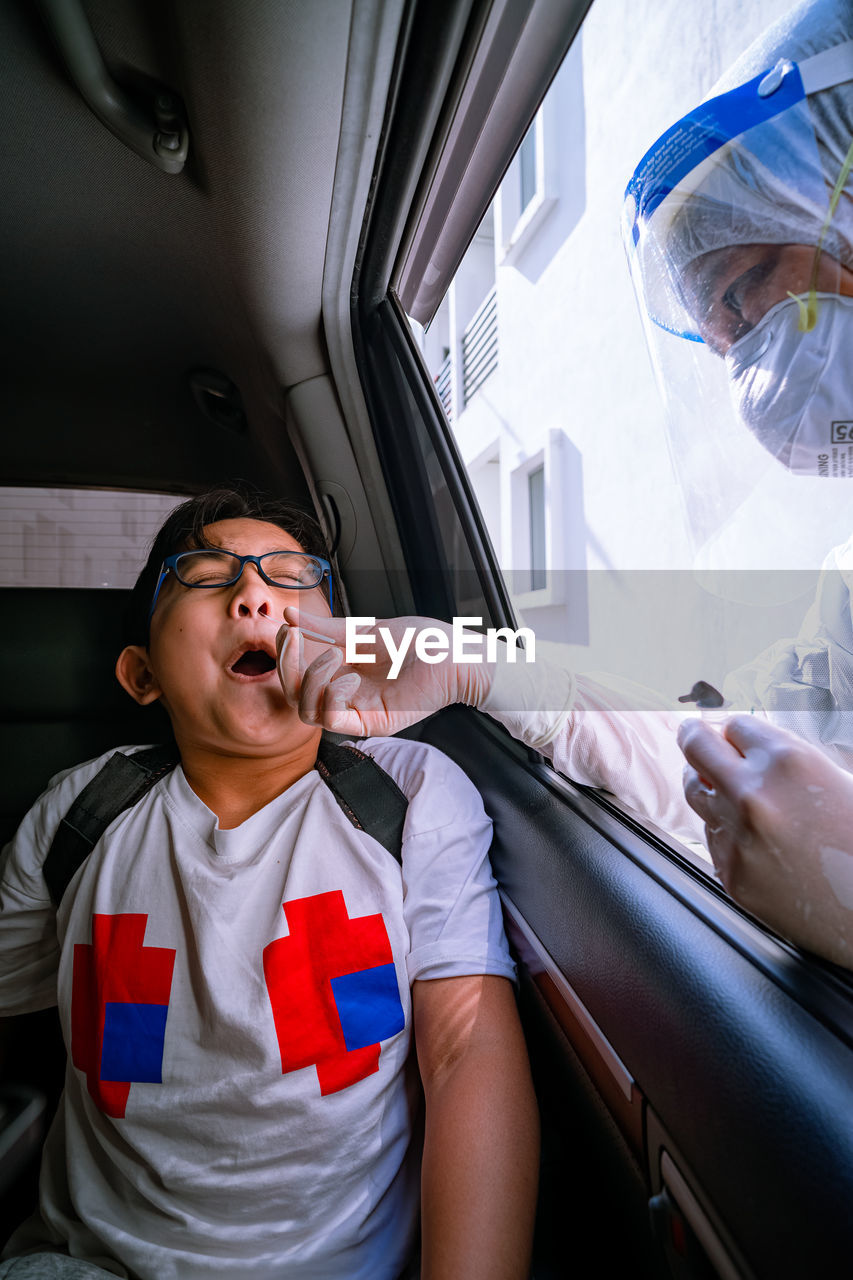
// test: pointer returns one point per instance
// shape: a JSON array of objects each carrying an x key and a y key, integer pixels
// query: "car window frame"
[{"x": 387, "y": 356}]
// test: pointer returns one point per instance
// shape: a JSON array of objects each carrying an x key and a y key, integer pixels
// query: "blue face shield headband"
[{"x": 742, "y": 168}]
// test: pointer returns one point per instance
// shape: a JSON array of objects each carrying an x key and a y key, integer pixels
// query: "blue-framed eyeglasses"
[{"x": 212, "y": 567}]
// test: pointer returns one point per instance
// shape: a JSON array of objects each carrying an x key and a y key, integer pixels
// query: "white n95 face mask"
[{"x": 794, "y": 390}]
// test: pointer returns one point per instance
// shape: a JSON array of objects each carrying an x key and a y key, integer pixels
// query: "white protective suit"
[{"x": 589, "y": 727}]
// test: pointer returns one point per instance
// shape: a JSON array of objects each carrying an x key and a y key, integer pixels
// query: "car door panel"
[{"x": 747, "y": 1090}]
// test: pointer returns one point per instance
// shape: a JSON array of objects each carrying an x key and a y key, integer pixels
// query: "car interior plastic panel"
[
  {"x": 154, "y": 276},
  {"x": 748, "y": 1083}
]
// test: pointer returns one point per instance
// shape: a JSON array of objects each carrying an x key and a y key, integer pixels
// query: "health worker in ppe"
[
  {"x": 789, "y": 862},
  {"x": 745, "y": 202},
  {"x": 739, "y": 227}
]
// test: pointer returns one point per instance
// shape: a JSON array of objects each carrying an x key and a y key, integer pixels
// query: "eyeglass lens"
[{"x": 215, "y": 568}]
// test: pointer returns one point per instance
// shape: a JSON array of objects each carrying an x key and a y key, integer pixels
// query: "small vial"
[{"x": 710, "y": 702}]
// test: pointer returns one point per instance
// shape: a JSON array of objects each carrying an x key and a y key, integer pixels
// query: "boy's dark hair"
[{"x": 183, "y": 530}]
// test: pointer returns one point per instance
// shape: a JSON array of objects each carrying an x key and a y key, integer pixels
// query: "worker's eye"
[
  {"x": 733, "y": 298},
  {"x": 740, "y": 292}
]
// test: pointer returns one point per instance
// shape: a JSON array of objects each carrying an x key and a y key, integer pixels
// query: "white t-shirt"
[{"x": 239, "y": 1095}]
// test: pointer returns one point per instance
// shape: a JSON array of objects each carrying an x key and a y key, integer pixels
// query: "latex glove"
[
  {"x": 616, "y": 736},
  {"x": 359, "y": 699},
  {"x": 779, "y": 824}
]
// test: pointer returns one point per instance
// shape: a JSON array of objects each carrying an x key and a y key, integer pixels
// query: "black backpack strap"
[
  {"x": 122, "y": 781},
  {"x": 369, "y": 797}
]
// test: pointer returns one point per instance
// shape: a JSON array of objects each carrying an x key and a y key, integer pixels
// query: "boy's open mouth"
[{"x": 254, "y": 662}]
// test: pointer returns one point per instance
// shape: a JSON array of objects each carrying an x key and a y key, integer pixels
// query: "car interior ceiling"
[{"x": 122, "y": 281}]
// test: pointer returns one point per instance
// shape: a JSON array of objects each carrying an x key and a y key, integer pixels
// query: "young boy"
[{"x": 240, "y": 971}]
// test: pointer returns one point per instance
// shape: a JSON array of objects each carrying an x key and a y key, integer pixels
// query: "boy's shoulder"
[
  {"x": 419, "y": 769},
  {"x": 36, "y": 832},
  {"x": 74, "y": 779}
]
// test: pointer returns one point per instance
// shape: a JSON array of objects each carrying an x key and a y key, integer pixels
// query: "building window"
[
  {"x": 444, "y": 385},
  {"x": 543, "y": 194},
  {"x": 527, "y": 168},
  {"x": 480, "y": 346},
  {"x": 527, "y": 193},
  {"x": 536, "y": 515}
]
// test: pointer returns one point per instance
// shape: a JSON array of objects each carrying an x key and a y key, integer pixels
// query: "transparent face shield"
[{"x": 738, "y": 224}]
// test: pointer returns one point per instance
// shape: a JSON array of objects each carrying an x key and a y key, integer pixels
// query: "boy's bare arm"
[{"x": 481, "y": 1149}]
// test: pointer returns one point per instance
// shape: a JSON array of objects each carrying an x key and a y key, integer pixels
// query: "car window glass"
[
  {"x": 77, "y": 537},
  {"x": 652, "y": 555}
]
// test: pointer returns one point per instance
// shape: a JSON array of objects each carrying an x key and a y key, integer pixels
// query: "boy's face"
[{"x": 211, "y": 654}]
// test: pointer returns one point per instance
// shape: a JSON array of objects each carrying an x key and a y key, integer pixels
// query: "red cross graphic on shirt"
[
  {"x": 324, "y": 951},
  {"x": 119, "y": 999}
]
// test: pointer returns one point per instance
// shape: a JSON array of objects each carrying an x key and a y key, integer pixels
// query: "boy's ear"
[{"x": 134, "y": 674}]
